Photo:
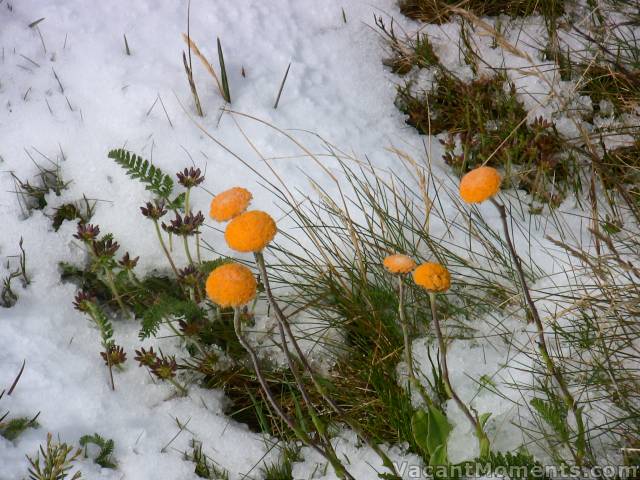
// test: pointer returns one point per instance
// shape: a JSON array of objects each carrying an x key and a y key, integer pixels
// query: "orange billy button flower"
[
  {"x": 231, "y": 285},
  {"x": 433, "y": 277},
  {"x": 230, "y": 204},
  {"x": 399, "y": 263},
  {"x": 480, "y": 184},
  {"x": 250, "y": 232}
]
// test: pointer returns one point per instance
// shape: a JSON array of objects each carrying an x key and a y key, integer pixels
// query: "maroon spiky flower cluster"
[
  {"x": 105, "y": 247},
  {"x": 190, "y": 276},
  {"x": 185, "y": 226},
  {"x": 82, "y": 301},
  {"x": 87, "y": 232},
  {"x": 115, "y": 355},
  {"x": 154, "y": 210},
  {"x": 127, "y": 262},
  {"x": 163, "y": 367},
  {"x": 191, "y": 177},
  {"x": 145, "y": 358}
]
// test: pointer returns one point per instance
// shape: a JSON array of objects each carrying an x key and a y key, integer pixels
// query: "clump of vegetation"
[
  {"x": 11, "y": 428},
  {"x": 440, "y": 11},
  {"x": 54, "y": 461},
  {"x": 406, "y": 53},
  {"x": 32, "y": 194},
  {"x": 8, "y": 297},
  {"x": 283, "y": 469},
  {"x": 104, "y": 456},
  {"x": 204, "y": 466},
  {"x": 487, "y": 125}
]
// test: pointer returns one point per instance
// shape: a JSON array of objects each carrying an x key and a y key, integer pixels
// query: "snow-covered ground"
[
  {"x": 70, "y": 93},
  {"x": 336, "y": 87}
]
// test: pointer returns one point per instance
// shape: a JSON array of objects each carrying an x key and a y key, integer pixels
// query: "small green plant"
[
  {"x": 82, "y": 211},
  {"x": 54, "y": 461},
  {"x": 14, "y": 427},
  {"x": 11, "y": 428},
  {"x": 431, "y": 431},
  {"x": 8, "y": 297},
  {"x": 104, "y": 457},
  {"x": 283, "y": 469},
  {"x": 204, "y": 466}
]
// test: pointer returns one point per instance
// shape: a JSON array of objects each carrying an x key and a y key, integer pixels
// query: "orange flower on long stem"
[
  {"x": 480, "y": 184},
  {"x": 231, "y": 285},
  {"x": 433, "y": 277},
  {"x": 250, "y": 232},
  {"x": 398, "y": 263},
  {"x": 230, "y": 204}
]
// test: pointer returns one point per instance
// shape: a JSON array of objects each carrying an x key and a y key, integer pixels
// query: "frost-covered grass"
[{"x": 127, "y": 357}]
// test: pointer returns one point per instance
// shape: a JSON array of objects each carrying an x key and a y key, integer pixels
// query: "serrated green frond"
[
  {"x": 554, "y": 414},
  {"x": 103, "y": 323},
  {"x": 106, "y": 449},
  {"x": 143, "y": 170},
  {"x": 165, "y": 308}
]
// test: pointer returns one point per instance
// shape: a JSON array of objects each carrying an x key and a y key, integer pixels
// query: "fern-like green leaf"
[
  {"x": 165, "y": 308},
  {"x": 103, "y": 323},
  {"x": 106, "y": 447},
  {"x": 143, "y": 170},
  {"x": 520, "y": 465},
  {"x": 554, "y": 413}
]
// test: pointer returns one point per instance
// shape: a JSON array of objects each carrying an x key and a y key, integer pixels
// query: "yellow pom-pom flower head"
[
  {"x": 230, "y": 204},
  {"x": 231, "y": 285},
  {"x": 250, "y": 232},
  {"x": 480, "y": 184},
  {"x": 398, "y": 263},
  {"x": 433, "y": 277}
]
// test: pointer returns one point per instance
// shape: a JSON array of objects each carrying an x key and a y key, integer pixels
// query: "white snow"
[{"x": 337, "y": 88}]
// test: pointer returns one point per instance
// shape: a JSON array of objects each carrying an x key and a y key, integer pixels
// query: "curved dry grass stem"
[{"x": 577, "y": 451}]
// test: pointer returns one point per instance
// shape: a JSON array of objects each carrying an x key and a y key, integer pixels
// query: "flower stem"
[
  {"x": 284, "y": 324},
  {"x": 408, "y": 355},
  {"x": 579, "y": 452},
  {"x": 237, "y": 325},
  {"x": 181, "y": 388},
  {"x": 114, "y": 291},
  {"x": 186, "y": 249},
  {"x": 198, "y": 256},
  {"x": 442, "y": 345},
  {"x": 164, "y": 248},
  {"x": 293, "y": 367}
]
